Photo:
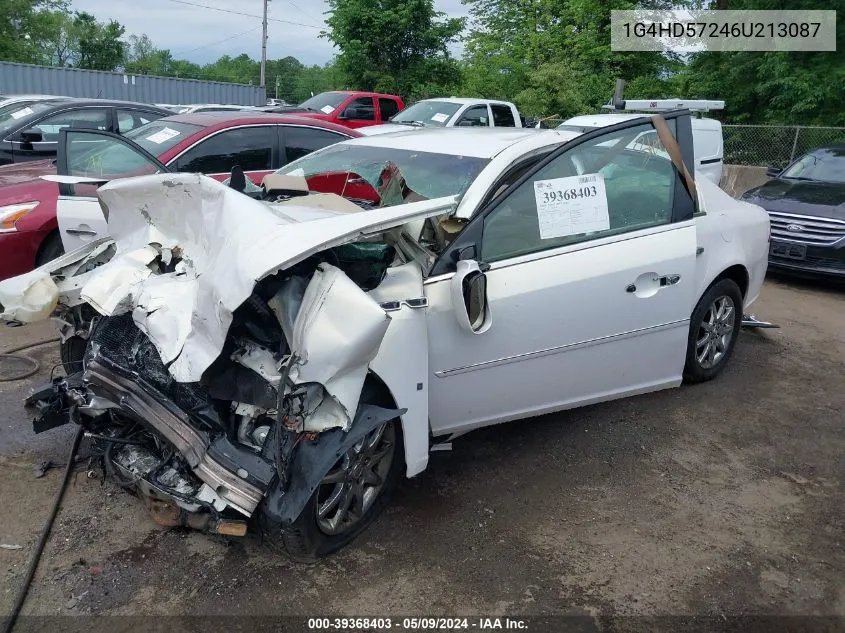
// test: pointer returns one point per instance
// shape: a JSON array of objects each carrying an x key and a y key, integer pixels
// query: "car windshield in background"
[
  {"x": 428, "y": 174},
  {"x": 159, "y": 136},
  {"x": 427, "y": 113},
  {"x": 824, "y": 165},
  {"x": 325, "y": 102},
  {"x": 11, "y": 113}
]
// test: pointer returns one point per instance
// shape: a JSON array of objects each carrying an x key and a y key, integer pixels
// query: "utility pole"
[{"x": 264, "y": 43}]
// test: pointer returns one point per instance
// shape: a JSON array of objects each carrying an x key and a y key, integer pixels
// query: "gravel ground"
[{"x": 718, "y": 500}]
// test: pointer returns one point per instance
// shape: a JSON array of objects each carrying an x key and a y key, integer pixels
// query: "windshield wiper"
[
  {"x": 414, "y": 123},
  {"x": 799, "y": 178}
]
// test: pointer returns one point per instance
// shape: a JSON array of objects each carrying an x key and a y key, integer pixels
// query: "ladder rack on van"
[{"x": 663, "y": 105}]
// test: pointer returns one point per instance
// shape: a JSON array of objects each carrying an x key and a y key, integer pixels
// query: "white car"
[{"x": 288, "y": 360}]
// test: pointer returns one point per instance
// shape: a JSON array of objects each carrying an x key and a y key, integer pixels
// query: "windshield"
[
  {"x": 823, "y": 165},
  {"x": 427, "y": 113},
  {"x": 427, "y": 174},
  {"x": 325, "y": 102},
  {"x": 11, "y": 113},
  {"x": 159, "y": 136}
]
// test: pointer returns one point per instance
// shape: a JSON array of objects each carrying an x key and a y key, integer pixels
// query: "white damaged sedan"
[{"x": 279, "y": 364}]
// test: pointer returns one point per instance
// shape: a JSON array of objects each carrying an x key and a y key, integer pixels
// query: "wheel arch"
[{"x": 737, "y": 273}]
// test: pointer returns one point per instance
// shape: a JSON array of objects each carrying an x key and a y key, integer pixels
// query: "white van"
[{"x": 708, "y": 144}]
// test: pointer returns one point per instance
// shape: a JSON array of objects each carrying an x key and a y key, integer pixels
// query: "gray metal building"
[{"x": 94, "y": 84}]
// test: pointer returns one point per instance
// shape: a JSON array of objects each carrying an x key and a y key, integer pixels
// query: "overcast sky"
[{"x": 196, "y": 34}]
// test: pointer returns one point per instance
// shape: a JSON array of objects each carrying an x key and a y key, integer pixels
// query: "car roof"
[
  {"x": 230, "y": 118},
  {"x": 103, "y": 102},
  {"x": 611, "y": 118},
  {"x": 476, "y": 142},
  {"x": 465, "y": 100}
]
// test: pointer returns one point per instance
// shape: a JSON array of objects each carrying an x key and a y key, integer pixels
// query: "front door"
[
  {"x": 99, "y": 156},
  {"x": 590, "y": 286}
]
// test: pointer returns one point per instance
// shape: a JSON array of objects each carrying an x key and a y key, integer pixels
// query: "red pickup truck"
[{"x": 351, "y": 109}]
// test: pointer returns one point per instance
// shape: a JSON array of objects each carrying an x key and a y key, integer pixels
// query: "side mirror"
[
  {"x": 32, "y": 135},
  {"x": 773, "y": 172},
  {"x": 350, "y": 113},
  {"x": 469, "y": 297}
]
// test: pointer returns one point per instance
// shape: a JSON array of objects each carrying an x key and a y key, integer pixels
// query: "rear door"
[{"x": 100, "y": 156}]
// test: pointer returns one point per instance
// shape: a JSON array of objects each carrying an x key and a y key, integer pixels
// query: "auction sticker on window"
[
  {"x": 571, "y": 206},
  {"x": 162, "y": 135},
  {"x": 17, "y": 114},
  {"x": 440, "y": 117}
]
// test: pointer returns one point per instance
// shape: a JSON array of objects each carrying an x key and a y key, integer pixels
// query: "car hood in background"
[
  {"x": 24, "y": 172},
  {"x": 822, "y": 199}
]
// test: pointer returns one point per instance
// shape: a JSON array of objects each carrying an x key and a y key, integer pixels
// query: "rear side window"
[
  {"x": 300, "y": 141},
  {"x": 502, "y": 115},
  {"x": 388, "y": 108},
  {"x": 130, "y": 119},
  {"x": 249, "y": 147}
]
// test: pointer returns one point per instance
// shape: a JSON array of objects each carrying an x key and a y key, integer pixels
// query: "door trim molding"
[{"x": 445, "y": 373}]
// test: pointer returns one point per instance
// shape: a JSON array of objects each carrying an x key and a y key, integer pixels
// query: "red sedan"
[{"x": 210, "y": 143}]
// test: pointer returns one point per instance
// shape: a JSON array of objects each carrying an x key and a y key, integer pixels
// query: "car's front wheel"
[
  {"x": 349, "y": 497},
  {"x": 714, "y": 328}
]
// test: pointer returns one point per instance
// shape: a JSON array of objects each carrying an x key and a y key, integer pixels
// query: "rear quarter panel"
[{"x": 730, "y": 233}]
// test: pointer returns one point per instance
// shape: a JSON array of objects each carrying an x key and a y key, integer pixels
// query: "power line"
[
  {"x": 217, "y": 42},
  {"x": 249, "y": 15}
]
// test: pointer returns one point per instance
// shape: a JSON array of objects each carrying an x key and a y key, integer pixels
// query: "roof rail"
[{"x": 659, "y": 105}]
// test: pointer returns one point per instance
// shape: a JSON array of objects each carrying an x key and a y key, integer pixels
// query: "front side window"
[
  {"x": 87, "y": 119},
  {"x": 361, "y": 109},
  {"x": 98, "y": 156},
  {"x": 250, "y": 147},
  {"x": 301, "y": 141},
  {"x": 615, "y": 183},
  {"x": 476, "y": 116}
]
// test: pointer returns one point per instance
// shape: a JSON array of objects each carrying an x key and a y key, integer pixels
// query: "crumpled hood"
[{"x": 227, "y": 243}]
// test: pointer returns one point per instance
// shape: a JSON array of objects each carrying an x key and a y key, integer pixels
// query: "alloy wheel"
[
  {"x": 348, "y": 491},
  {"x": 715, "y": 332}
]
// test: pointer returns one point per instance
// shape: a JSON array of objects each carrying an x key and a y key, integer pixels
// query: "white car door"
[
  {"x": 93, "y": 154},
  {"x": 589, "y": 288}
]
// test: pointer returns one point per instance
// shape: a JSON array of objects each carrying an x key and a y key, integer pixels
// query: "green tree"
[
  {"x": 23, "y": 27},
  {"x": 394, "y": 45},
  {"x": 99, "y": 44}
]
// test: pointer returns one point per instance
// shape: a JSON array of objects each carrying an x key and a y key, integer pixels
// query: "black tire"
[
  {"x": 51, "y": 248},
  {"x": 306, "y": 541},
  {"x": 706, "y": 326},
  {"x": 71, "y": 352}
]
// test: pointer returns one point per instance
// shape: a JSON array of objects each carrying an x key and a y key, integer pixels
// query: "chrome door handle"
[
  {"x": 80, "y": 231},
  {"x": 669, "y": 280}
]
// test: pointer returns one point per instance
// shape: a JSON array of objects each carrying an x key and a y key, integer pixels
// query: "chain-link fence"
[{"x": 764, "y": 145}]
